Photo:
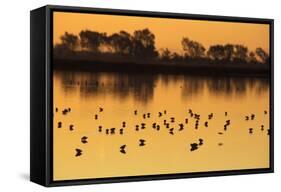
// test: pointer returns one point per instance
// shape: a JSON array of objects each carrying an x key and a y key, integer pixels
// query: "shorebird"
[
  {"x": 194, "y": 146},
  {"x": 122, "y": 149},
  {"x": 200, "y": 141},
  {"x": 250, "y": 130},
  {"x": 78, "y": 152},
  {"x": 206, "y": 124},
  {"x": 100, "y": 128},
  {"x": 141, "y": 142},
  {"x": 84, "y": 139},
  {"x": 96, "y": 116},
  {"x": 71, "y": 127},
  {"x": 101, "y": 109},
  {"x": 59, "y": 124}
]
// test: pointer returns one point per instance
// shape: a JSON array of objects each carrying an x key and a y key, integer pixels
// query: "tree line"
[{"x": 141, "y": 44}]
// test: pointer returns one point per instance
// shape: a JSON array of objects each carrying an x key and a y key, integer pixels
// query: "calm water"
[{"x": 166, "y": 150}]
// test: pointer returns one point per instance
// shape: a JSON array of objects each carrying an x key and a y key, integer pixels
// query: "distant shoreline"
[{"x": 161, "y": 67}]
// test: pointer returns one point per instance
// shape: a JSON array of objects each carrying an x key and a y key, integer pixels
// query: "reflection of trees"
[
  {"x": 120, "y": 85},
  {"x": 141, "y": 87}
]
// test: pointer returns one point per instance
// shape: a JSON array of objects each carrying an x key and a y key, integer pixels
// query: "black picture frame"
[{"x": 41, "y": 95}]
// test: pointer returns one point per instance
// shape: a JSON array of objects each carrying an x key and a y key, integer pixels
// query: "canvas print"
[{"x": 138, "y": 96}]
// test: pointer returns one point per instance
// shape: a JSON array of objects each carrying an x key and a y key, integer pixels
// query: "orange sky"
[{"x": 168, "y": 32}]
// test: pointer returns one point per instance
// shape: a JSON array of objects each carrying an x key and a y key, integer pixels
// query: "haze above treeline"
[{"x": 89, "y": 44}]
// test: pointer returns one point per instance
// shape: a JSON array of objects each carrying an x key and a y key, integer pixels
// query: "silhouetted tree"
[
  {"x": 216, "y": 52},
  {"x": 240, "y": 53},
  {"x": 121, "y": 42},
  {"x": 69, "y": 41},
  {"x": 228, "y": 52},
  {"x": 144, "y": 44},
  {"x": 192, "y": 48},
  {"x": 165, "y": 54},
  {"x": 92, "y": 40},
  {"x": 263, "y": 56},
  {"x": 252, "y": 57}
]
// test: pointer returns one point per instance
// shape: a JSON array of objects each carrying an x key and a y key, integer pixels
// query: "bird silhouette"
[
  {"x": 100, "y": 128},
  {"x": 165, "y": 112},
  {"x": 107, "y": 131},
  {"x": 78, "y": 152},
  {"x": 250, "y": 130},
  {"x": 96, "y": 116},
  {"x": 121, "y": 131},
  {"x": 159, "y": 114},
  {"x": 220, "y": 133},
  {"x": 206, "y": 124},
  {"x": 268, "y": 132},
  {"x": 265, "y": 112},
  {"x": 220, "y": 144},
  {"x": 112, "y": 131},
  {"x": 225, "y": 113},
  {"x": 194, "y": 146},
  {"x": 141, "y": 142},
  {"x": 101, "y": 109},
  {"x": 71, "y": 127},
  {"x": 186, "y": 121},
  {"x": 137, "y": 127},
  {"x": 181, "y": 127},
  {"x": 84, "y": 139},
  {"x": 172, "y": 119},
  {"x": 171, "y": 131},
  {"x": 200, "y": 141},
  {"x": 122, "y": 149},
  {"x": 59, "y": 124},
  {"x": 158, "y": 127},
  {"x": 57, "y": 109},
  {"x": 135, "y": 112},
  {"x": 247, "y": 118},
  {"x": 252, "y": 116},
  {"x": 262, "y": 127}
]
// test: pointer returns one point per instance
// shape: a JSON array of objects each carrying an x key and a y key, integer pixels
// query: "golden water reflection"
[{"x": 120, "y": 95}]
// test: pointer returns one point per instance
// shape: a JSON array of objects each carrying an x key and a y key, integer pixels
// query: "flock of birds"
[{"x": 165, "y": 122}]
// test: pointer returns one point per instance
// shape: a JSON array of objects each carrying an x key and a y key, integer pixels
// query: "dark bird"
[
  {"x": 137, "y": 127},
  {"x": 220, "y": 133},
  {"x": 107, "y": 131},
  {"x": 78, "y": 152},
  {"x": 225, "y": 113},
  {"x": 154, "y": 125},
  {"x": 144, "y": 115},
  {"x": 159, "y": 114},
  {"x": 220, "y": 144},
  {"x": 181, "y": 127},
  {"x": 121, "y": 131},
  {"x": 172, "y": 119},
  {"x": 227, "y": 122},
  {"x": 225, "y": 127},
  {"x": 186, "y": 121},
  {"x": 206, "y": 124},
  {"x": 101, "y": 109},
  {"x": 69, "y": 109},
  {"x": 122, "y": 149},
  {"x": 165, "y": 121},
  {"x": 158, "y": 127},
  {"x": 71, "y": 127},
  {"x": 143, "y": 125},
  {"x": 252, "y": 117},
  {"x": 191, "y": 114},
  {"x": 250, "y": 130},
  {"x": 112, "y": 131},
  {"x": 200, "y": 141},
  {"x": 142, "y": 142},
  {"x": 59, "y": 124},
  {"x": 167, "y": 125},
  {"x": 246, "y": 118},
  {"x": 268, "y": 132},
  {"x": 189, "y": 111},
  {"x": 84, "y": 139},
  {"x": 96, "y": 116},
  {"x": 100, "y": 128},
  {"x": 135, "y": 112},
  {"x": 265, "y": 112},
  {"x": 165, "y": 112},
  {"x": 171, "y": 131},
  {"x": 262, "y": 127},
  {"x": 194, "y": 146},
  {"x": 57, "y": 109},
  {"x": 210, "y": 116},
  {"x": 148, "y": 115},
  {"x": 64, "y": 112}
]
